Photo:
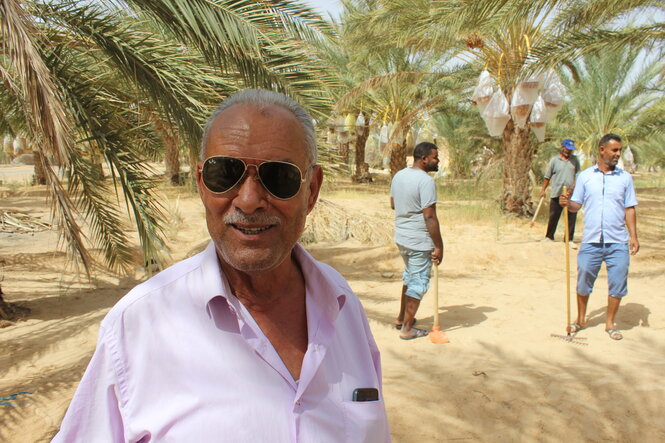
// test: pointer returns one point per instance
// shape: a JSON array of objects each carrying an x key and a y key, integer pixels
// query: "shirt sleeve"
[
  {"x": 427, "y": 193},
  {"x": 548, "y": 171},
  {"x": 578, "y": 193},
  {"x": 630, "y": 199},
  {"x": 94, "y": 413}
]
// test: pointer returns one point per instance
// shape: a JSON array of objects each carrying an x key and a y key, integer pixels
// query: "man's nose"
[{"x": 251, "y": 193}]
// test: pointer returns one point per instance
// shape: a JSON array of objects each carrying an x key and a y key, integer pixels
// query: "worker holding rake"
[
  {"x": 610, "y": 230},
  {"x": 417, "y": 233},
  {"x": 560, "y": 173}
]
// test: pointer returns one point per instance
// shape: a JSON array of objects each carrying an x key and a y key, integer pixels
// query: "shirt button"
[{"x": 298, "y": 402}]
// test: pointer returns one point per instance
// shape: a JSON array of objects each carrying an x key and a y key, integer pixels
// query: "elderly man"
[
  {"x": 252, "y": 339},
  {"x": 610, "y": 230},
  {"x": 561, "y": 171}
]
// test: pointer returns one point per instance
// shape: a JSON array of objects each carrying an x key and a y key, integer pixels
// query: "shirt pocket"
[
  {"x": 615, "y": 195},
  {"x": 365, "y": 421}
]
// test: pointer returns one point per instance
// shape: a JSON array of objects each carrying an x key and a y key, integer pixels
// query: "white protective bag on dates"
[
  {"x": 483, "y": 92},
  {"x": 497, "y": 113},
  {"x": 553, "y": 94},
  {"x": 520, "y": 107},
  {"x": 539, "y": 118}
]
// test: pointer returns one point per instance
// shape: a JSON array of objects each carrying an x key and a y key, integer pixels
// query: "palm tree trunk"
[
  {"x": 397, "y": 157},
  {"x": 193, "y": 159},
  {"x": 39, "y": 176},
  {"x": 344, "y": 152},
  {"x": 171, "y": 152},
  {"x": 519, "y": 150},
  {"x": 362, "y": 169}
]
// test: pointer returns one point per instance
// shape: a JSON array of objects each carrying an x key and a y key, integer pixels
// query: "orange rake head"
[{"x": 436, "y": 335}]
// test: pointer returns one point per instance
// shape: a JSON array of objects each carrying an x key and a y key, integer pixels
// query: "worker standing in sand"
[
  {"x": 251, "y": 340},
  {"x": 610, "y": 230},
  {"x": 417, "y": 232},
  {"x": 561, "y": 172}
]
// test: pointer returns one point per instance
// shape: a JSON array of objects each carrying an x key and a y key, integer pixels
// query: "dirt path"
[{"x": 501, "y": 378}]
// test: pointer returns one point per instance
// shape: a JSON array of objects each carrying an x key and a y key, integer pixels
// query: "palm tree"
[
  {"x": 463, "y": 130},
  {"x": 613, "y": 93},
  {"x": 89, "y": 81},
  {"x": 510, "y": 38},
  {"x": 397, "y": 84}
]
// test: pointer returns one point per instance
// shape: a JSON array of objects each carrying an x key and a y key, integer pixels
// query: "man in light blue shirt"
[
  {"x": 417, "y": 233},
  {"x": 610, "y": 229}
]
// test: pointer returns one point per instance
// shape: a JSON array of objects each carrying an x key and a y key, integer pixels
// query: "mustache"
[{"x": 238, "y": 216}]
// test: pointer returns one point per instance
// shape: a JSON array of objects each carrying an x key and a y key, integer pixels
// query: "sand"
[{"x": 502, "y": 377}]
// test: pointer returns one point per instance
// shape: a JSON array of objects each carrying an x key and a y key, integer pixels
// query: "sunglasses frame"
[{"x": 257, "y": 177}]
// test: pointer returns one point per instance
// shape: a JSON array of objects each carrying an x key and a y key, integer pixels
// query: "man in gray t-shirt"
[
  {"x": 417, "y": 233},
  {"x": 561, "y": 171}
]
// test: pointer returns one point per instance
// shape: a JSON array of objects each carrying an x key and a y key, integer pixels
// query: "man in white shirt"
[{"x": 252, "y": 339}]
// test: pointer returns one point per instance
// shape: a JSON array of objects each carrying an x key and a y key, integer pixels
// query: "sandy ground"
[{"x": 502, "y": 377}]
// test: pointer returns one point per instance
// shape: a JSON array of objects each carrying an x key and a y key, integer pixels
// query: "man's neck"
[
  {"x": 606, "y": 168},
  {"x": 262, "y": 290},
  {"x": 276, "y": 301},
  {"x": 418, "y": 165}
]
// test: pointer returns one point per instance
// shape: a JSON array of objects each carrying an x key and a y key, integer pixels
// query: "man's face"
[
  {"x": 565, "y": 152},
  {"x": 252, "y": 230},
  {"x": 610, "y": 153},
  {"x": 432, "y": 161}
]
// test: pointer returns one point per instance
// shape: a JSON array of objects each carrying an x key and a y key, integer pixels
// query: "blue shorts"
[
  {"x": 417, "y": 269},
  {"x": 616, "y": 257}
]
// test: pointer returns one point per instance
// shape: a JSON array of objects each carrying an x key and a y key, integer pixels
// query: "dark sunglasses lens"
[
  {"x": 220, "y": 174},
  {"x": 281, "y": 179}
]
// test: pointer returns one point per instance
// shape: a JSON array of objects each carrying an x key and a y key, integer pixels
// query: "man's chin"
[{"x": 249, "y": 260}]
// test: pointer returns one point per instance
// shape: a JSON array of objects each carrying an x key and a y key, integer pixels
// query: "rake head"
[
  {"x": 571, "y": 338},
  {"x": 436, "y": 335}
]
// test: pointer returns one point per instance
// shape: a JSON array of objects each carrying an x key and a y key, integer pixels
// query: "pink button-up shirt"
[{"x": 180, "y": 359}]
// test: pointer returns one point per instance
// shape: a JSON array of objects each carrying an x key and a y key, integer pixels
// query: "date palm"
[
  {"x": 88, "y": 81},
  {"x": 510, "y": 38},
  {"x": 397, "y": 84},
  {"x": 614, "y": 93}
]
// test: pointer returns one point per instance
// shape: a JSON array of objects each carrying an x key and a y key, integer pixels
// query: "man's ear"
[
  {"x": 314, "y": 187},
  {"x": 199, "y": 179}
]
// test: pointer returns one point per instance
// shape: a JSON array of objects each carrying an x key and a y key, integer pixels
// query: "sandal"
[
  {"x": 398, "y": 326},
  {"x": 614, "y": 334},
  {"x": 417, "y": 333},
  {"x": 575, "y": 327}
]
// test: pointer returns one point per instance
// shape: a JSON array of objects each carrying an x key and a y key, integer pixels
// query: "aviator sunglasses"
[{"x": 282, "y": 180}]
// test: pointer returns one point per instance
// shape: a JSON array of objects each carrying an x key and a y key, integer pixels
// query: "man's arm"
[
  {"x": 546, "y": 182},
  {"x": 565, "y": 199},
  {"x": 432, "y": 224},
  {"x": 631, "y": 224}
]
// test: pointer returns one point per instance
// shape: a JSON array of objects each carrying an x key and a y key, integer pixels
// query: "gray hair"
[{"x": 263, "y": 97}]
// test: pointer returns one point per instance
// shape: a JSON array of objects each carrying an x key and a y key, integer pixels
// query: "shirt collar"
[
  {"x": 326, "y": 291},
  {"x": 616, "y": 171}
]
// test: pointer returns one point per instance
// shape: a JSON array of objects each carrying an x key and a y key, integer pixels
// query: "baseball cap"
[{"x": 568, "y": 144}]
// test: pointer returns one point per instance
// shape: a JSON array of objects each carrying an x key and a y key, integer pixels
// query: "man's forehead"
[{"x": 241, "y": 111}]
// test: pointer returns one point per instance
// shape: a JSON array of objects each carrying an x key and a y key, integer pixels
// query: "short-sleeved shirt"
[
  {"x": 412, "y": 191},
  {"x": 561, "y": 173},
  {"x": 605, "y": 198}
]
